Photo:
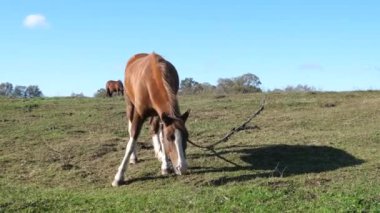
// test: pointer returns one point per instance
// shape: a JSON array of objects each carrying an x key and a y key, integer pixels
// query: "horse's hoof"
[
  {"x": 180, "y": 170},
  {"x": 133, "y": 161},
  {"x": 159, "y": 156},
  {"x": 164, "y": 171},
  {"x": 117, "y": 183}
]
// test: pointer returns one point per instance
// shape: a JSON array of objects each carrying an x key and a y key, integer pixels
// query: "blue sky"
[{"x": 67, "y": 46}]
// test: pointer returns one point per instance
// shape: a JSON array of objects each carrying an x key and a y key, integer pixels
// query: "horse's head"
[{"x": 175, "y": 135}]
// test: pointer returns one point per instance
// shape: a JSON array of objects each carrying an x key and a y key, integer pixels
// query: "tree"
[
  {"x": 207, "y": 87},
  {"x": 189, "y": 86},
  {"x": 225, "y": 84},
  {"x": 299, "y": 88},
  {"x": 6, "y": 89},
  {"x": 248, "y": 80},
  {"x": 101, "y": 93},
  {"x": 20, "y": 92},
  {"x": 33, "y": 91},
  {"x": 247, "y": 83},
  {"x": 241, "y": 84},
  {"x": 77, "y": 95}
]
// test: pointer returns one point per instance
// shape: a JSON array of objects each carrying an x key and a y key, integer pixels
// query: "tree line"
[
  {"x": 7, "y": 89},
  {"x": 298, "y": 88},
  {"x": 246, "y": 83}
]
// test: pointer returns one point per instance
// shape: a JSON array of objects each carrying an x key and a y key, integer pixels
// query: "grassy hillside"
[{"x": 313, "y": 151}]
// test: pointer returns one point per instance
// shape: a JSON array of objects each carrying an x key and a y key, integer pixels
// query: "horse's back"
[
  {"x": 114, "y": 85},
  {"x": 146, "y": 78},
  {"x": 143, "y": 68}
]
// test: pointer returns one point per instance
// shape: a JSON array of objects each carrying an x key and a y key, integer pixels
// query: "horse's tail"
[{"x": 120, "y": 85}]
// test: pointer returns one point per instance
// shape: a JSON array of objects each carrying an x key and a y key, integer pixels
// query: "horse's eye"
[{"x": 171, "y": 138}]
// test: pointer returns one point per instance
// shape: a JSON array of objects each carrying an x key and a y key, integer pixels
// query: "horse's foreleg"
[
  {"x": 133, "y": 159},
  {"x": 130, "y": 111},
  {"x": 134, "y": 128},
  {"x": 158, "y": 144},
  {"x": 155, "y": 128}
]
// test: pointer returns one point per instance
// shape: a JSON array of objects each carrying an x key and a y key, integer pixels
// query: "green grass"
[{"x": 313, "y": 152}]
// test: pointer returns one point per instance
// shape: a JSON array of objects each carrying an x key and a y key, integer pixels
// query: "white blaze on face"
[{"x": 181, "y": 166}]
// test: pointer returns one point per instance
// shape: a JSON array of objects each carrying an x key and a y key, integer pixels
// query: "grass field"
[{"x": 313, "y": 152}]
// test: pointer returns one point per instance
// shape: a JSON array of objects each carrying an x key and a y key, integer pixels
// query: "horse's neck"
[
  {"x": 165, "y": 87},
  {"x": 166, "y": 107}
]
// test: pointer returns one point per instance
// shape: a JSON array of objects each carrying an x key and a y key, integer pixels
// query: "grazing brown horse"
[
  {"x": 114, "y": 86},
  {"x": 151, "y": 91}
]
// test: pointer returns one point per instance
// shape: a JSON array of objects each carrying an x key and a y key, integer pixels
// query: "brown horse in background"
[
  {"x": 151, "y": 91},
  {"x": 114, "y": 86}
]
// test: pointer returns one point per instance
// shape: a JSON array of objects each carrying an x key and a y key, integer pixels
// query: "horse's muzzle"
[{"x": 181, "y": 169}]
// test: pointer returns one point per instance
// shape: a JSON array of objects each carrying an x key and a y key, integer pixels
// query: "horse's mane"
[
  {"x": 161, "y": 70},
  {"x": 135, "y": 57}
]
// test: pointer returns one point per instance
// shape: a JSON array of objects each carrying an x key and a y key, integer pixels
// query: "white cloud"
[{"x": 35, "y": 21}]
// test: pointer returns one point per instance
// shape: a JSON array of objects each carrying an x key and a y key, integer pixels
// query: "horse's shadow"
[{"x": 278, "y": 160}]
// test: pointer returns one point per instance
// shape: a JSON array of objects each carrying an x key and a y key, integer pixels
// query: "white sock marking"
[
  {"x": 119, "y": 177},
  {"x": 157, "y": 147},
  {"x": 164, "y": 157}
]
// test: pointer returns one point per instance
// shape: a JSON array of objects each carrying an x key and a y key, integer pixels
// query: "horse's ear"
[
  {"x": 185, "y": 115},
  {"x": 166, "y": 119}
]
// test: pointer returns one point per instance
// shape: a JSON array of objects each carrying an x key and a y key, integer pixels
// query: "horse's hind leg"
[
  {"x": 109, "y": 93},
  {"x": 155, "y": 131},
  {"x": 135, "y": 131}
]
